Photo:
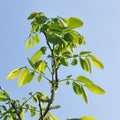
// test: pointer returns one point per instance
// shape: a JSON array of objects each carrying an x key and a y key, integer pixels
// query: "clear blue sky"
[{"x": 102, "y": 33}]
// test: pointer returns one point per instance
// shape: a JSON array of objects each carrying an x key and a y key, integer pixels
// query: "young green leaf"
[
  {"x": 95, "y": 88},
  {"x": 74, "y": 22},
  {"x": 41, "y": 67},
  {"x": 85, "y": 53},
  {"x": 96, "y": 62},
  {"x": 22, "y": 77},
  {"x": 14, "y": 74},
  {"x": 35, "y": 40},
  {"x": 87, "y": 118},
  {"x": 28, "y": 43},
  {"x": 36, "y": 56},
  {"x": 84, "y": 80},
  {"x": 28, "y": 78}
]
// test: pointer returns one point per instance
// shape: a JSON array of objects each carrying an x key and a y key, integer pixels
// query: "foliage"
[{"x": 61, "y": 40}]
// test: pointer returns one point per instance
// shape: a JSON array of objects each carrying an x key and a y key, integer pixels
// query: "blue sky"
[{"x": 102, "y": 33}]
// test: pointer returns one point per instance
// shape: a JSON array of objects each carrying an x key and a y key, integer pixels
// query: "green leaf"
[
  {"x": 74, "y": 22},
  {"x": 35, "y": 40},
  {"x": 44, "y": 28},
  {"x": 68, "y": 77},
  {"x": 43, "y": 49},
  {"x": 85, "y": 53},
  {"x": 22, "y": 77},
  {"x": 28, "y": 78},
  {"x": 14, "y": 74},
  {"x": 32, "y": 15},
  {"x": 39, "y": 78},
  {"x": 95, "y": 88},
  {"x": 67, "y": 54},
  {"x": 74, "y": 62},
  {"x": 53, "y": 39},
  {"x": 84, "y": 80},
  {"x": 36, "y": 56},
  {"x": 2, "y": 97},
  {"x": 32, "y": 111},
  {"x": 52, "y": 116},
  {"x": 84, "y": 96},
  {"x": 84, "y": 65},
  {"x": 41, "y": 19},
  {"x": 31, "y": 63},
  {"x": 68, "y": 37},
  {"x": 28, "y": 43},
  {"x": 74, "y": 119},
  {"x": 76, "y": 88},
  {"x": 55, "y": 27},
  {"x": 64, "y": 61},
  {"x": 87, "y": 118},
  {"x": 96, "y": 62},
  {"x": 88, "y": 64},
  {"x": 41, "y": 67},
  {"x": 67, "y": 82}
]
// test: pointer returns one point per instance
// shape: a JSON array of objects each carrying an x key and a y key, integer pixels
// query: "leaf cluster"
[{"x": 61, "y": 40}]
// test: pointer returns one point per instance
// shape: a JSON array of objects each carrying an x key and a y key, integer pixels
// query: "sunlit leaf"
[
  {"x": 22, "y": 77},
  {"x": 74, "y": 22},
  {"x": 42, "y": 66},
  {"x": 43, "y": 49},
  {"x": 96, "y": 62},
  {"x": 95, "y": 88},
  {"x": 28, "y": 43},
  {"x": 84, "y": 80},
  {"x": 28, "y": 78},
  {"x": 74, "y": 119},
  {"x": 52, "y": 116},
  {"x": 87, "y": 118},
  {"x": 67, "y": 54},
  {"x": 14, "y": 74},
  {"x": 36, "y": 56},
  {"x": 35, "y": 40}
]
